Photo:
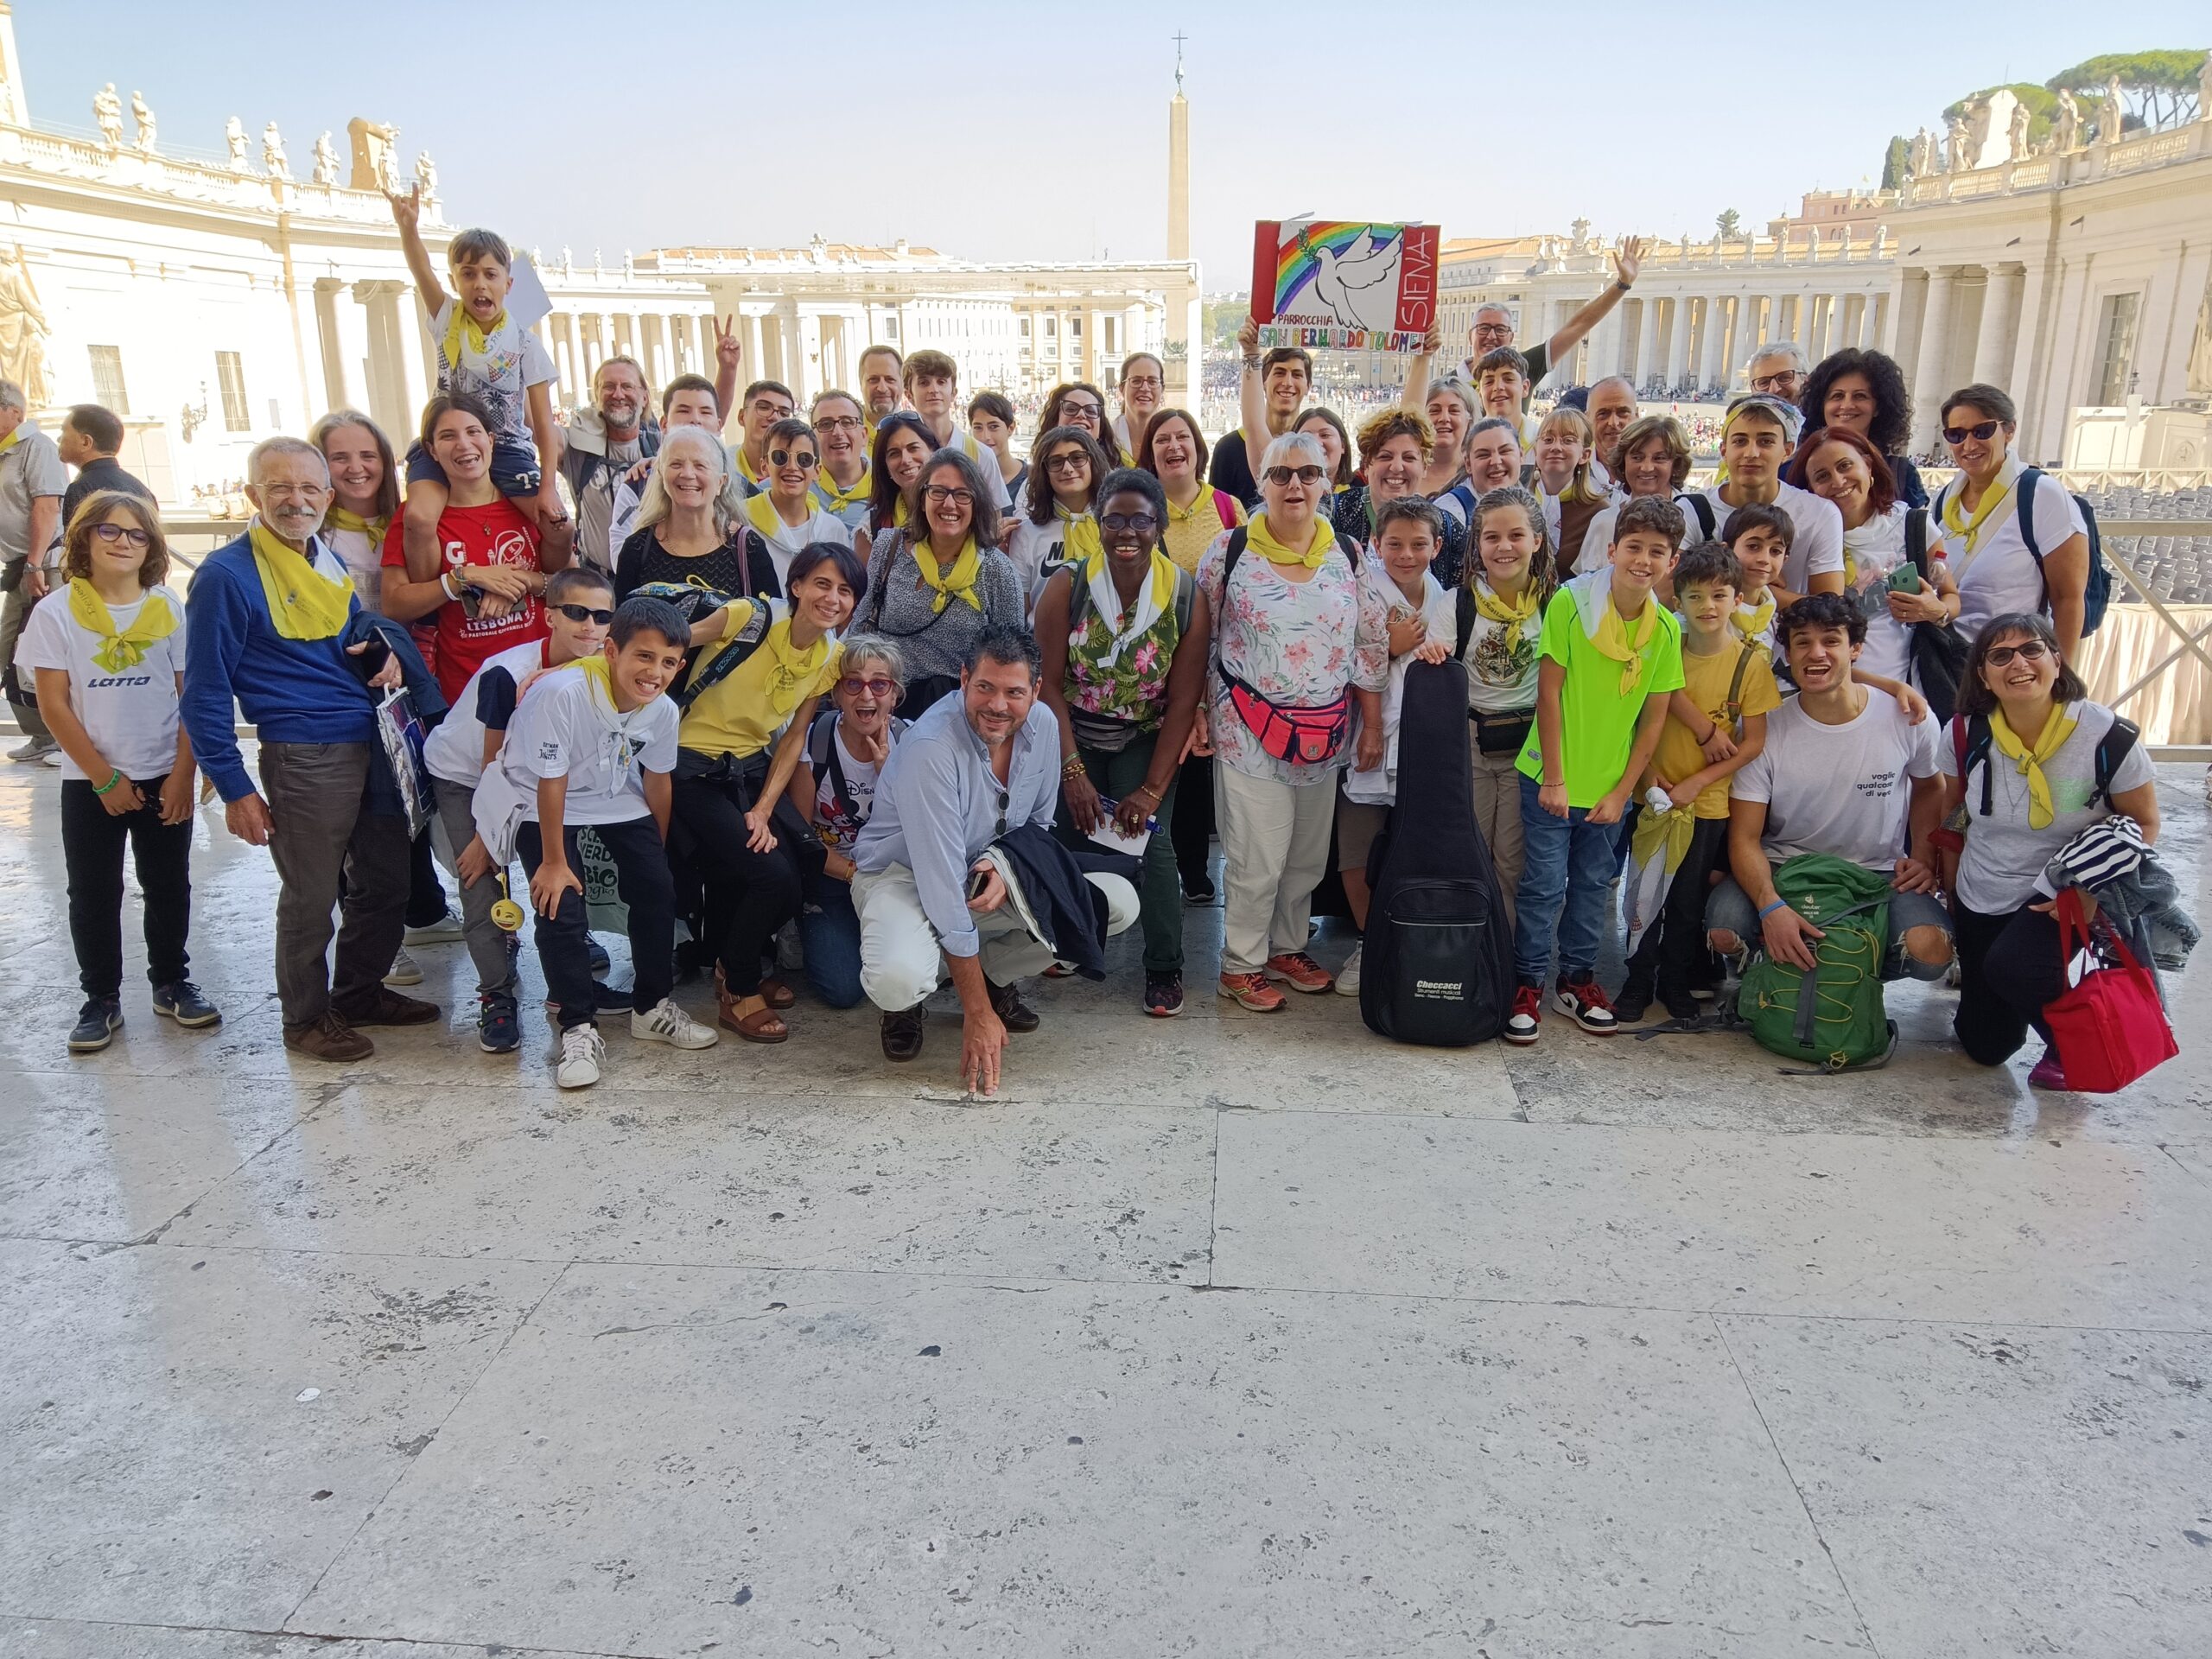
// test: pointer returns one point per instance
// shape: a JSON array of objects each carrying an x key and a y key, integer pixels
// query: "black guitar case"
[{"x": 1437, "y": 966}]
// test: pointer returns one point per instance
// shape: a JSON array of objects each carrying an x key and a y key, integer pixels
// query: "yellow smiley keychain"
[{"x": 506, "y": 915}]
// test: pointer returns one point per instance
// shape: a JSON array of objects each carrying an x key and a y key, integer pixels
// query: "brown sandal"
[
  {"x": 776, "y": 994},
  {"x": 761, "y": 1025}
]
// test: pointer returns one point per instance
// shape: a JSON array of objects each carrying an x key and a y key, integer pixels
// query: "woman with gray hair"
[
  {"x": 846, "y": 749},
  {"x": 937, "y": 580},
  {"x": 1299, "y": 639},
  {"x": 686, "y": 532}
]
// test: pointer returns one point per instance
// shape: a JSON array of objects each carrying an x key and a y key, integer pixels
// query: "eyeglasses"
[
  {"x": 854, "y": 686},
  {"x": 1071, "y": 409},
  {"x": 1785, "y": 383},
  {"x": 1074, "y": 460},
  {"x": 1981, "y": 432},
  {"x": 787, "y": 457},
  {"x": 938, "y": 494},
  {"x": 1141, "y": 522},
  {"x": 129, "y": 533},
  {"x": 2030, "y": 651},
  {"x": 1493, "y": 331},
  {"x": 839, "y": 423},
  {"x": 1141, "y": 383},
  {"x": 1284, "y": 474},
  {"x": 586, "y": 613}
]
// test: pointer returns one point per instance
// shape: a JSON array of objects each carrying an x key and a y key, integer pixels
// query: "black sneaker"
[
  {"x": 902, "y": 1034},
  {"x": 1634, "y": 999},
  {"x": 498, "y": 1029},
  {"x": 1200, "y": 891},
  {"x": 1585, "y": 1002},
  {"x": 1014, "y": 1013},
  {"x": 183, "y": 1003},
  {"x": 97, "y": 1023},
  {"x": 1163, "y": 994},
  {"x": 1681, "y": 1002}
]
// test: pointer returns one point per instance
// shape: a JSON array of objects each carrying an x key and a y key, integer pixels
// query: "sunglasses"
[
  {"x": 1303, "y": 474},
  {"x": 129, "y": 533},
  {"x": 1005, "y": 798},
  {"x": 2032, "y": 651},
  {"x": 852, "y": 686},
  {"x": 586, "y": 613},
  {"x": 1140, "y": 522},
  {"x": 1981, "y": 432},
  {"x": 1073, "y": 461},
  {"x": 788, "y": 457}
]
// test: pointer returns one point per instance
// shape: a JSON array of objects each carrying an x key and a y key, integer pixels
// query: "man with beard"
[
  {"x": 1611, "y": 409},
  {"x": 604, "y": 442}
]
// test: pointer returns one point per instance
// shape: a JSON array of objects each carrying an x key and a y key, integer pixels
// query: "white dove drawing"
[{"x": 1339, "y": 281}]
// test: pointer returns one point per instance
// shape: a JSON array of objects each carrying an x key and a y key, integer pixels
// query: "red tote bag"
[{"x": 2110, "y": 1028}]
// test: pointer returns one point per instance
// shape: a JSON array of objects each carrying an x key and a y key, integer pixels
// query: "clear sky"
[{"x": 1038, "y": 131}]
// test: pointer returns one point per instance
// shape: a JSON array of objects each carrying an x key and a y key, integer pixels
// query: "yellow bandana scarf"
[
  {"x": 119, "y": 648},
  {"x": 745, "y": 470},
  {"x": 12, "y": 439},
  {"x": 835, "y": 499},
  {"x": 1618, "y": 641},
  {"x": 1263, "y": 541},
  {"x": 767, "y": 520},
  {"x": 1752, "y": 625},
  {"x": 338, "y": 518},
  {"x": 1205, "y": 498},
  {"x": 2055, "y": 731},
  {"x": 303, "y": 603},
  {"x": 1510, "y": 612},
  {"x": 1079, "y": 541},
  {"x": 959, "y": 583},
  {"x": 1151, "y": 603},
  {"x": 463, "y": 325},
  {"x": 791, "y": 670},
  {"x": 1956, "y": 521}
]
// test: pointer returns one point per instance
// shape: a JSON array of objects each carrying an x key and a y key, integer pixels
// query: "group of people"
[{"x": 867, "y": 682}]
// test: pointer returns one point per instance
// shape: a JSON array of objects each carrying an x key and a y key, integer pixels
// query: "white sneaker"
[
  {"x": 1347, "y": 976},
  {"x": 446, "y": 930},
  {"x": 405, "y": 971},
  {"x": 582, "y": 1049},
  {"x": 664, "y": 1022},
  {"x": 54, "y": 757},
  {"x": 36, "y": 749}
]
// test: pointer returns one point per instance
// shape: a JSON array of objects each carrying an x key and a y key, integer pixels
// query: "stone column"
[
  {"x": 2001, "y": 324},
  {"x": 1931, "y": 363},
  {"x": 794, "y": 356},
  {"x": 1647, "y": 347},
  {"x": 338, "y": 387},
  {"x": 1715, "y": 371},
  {"x": 2027, "y": 316}
]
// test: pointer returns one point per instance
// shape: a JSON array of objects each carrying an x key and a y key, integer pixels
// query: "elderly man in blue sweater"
[{"x": 274, "y": 629}]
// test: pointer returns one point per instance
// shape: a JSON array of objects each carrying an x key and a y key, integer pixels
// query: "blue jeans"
[
  {"x": 1566, "y": 887},
  {"x": 830, "y": 931}
]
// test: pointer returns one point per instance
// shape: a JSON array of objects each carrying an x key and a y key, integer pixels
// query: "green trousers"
[{"x": 1159, "y": 887}]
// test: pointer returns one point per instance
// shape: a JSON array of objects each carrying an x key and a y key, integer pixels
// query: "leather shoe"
[
  {"x": 1014, "y": 1013},
  {"x": 902, "y": 1035},
  {"x": 328, "y": 1039},
  {"x": 387, "y": 1008}
]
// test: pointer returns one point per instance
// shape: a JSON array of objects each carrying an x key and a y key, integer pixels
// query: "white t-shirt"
[
  {"x": 564, "y": 729},
  {"x": 1032, "y": 547},
  {"x": 131, "y": 716},
  {"x": 2002, "y": 866},
  {"x": 838, "y": 823},
  {"x": 784, "y": 546},
  {"x": 1871, "y": 553},
  {"x": 1816, "y": 548},
  {"x": 1440, "y": 613},
  {"x": 1840, "y": 790},
  {"x": 364, "y": 561},
  {"x": 454, "y": 750},
  {"x": 1597, "y": 540},
  {"x": 1502, "y": 659},
  {"x": 2000, "y": 575},
  {"x": 514, "y": 360}
]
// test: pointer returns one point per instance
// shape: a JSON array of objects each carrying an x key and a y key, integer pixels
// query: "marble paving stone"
[
  {"x": 52, "y": 1638},
  {"x": 159, "y": 1463},
  {"x": 886, "y": 1466},
  {"x": 2078, "y": 1233},
  {"x": 1076, "y": 1190},
  {"x": 1995, "y": 1490}
]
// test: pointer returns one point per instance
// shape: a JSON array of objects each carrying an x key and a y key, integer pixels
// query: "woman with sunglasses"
[
  {"x": 937, "y": 580},
  {"x": 1297, "y": 639},
  {"x": 2021, "y": 772},
  {"x": 1059, "y": 516},
  {"x": 686, "y": 532},
  {"x": 738, "y": 748},
  {"x": 834, "y": 787},
  {"x": 1077, "y": 403},
  {"x": 1123, "y": 634},
  {"x": 903, "y": 447},
  {"x": 1996, "y": 515},
  {"x": 783, "y": 512}
]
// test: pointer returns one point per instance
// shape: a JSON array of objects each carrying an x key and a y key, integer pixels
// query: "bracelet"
[
  {"x": 114, "y": 777},
  {"x": 1779, "y": 904},
  {"x": 1712, "y": 731},
  {"x": 1561, "y": 784},
  {"x": 445, "y": 585},
  {"x": 1621, "y": 285},
  {"x": 1252, "y": 362},
  {"x": 1071, "y": 766}
]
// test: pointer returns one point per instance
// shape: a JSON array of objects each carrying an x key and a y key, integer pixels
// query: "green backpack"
[{"x": 1837, "y": 1022}]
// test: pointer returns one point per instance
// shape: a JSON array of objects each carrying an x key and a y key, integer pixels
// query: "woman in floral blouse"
[
  {"x": 1123, "y": 637},
  {"x": 1297, "y": 639}
]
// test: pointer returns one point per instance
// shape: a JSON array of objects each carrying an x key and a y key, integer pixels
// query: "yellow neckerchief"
[
  {"x": 1968, "y": 529},
  {"x": 338, "y": 518},
  {"x": 765, "y": 519},
  {"x": 1079, "y": 540},
  {"x": 959, "y": 583},
  {"x": 480, "y": 340},
  {"x": 746, "y": 471},
  {"x": 1149, "y": 606},
  {"x": 119, "y": 648},
  {"x": 1615, "y": 640},
  {"x": 13, "y": 438},
  {"x": 1204, "y": 498},
  {"x": 303, "y": 603},
  {"x": 1510, "y": 612},
  {"x": 836, "y": 499},
  {"x": 2055, "y": 731},
  {"x": 1753, "y": 625},
  {"x": 793, "y": 670},
  {"x": 1261, "y": 540}
]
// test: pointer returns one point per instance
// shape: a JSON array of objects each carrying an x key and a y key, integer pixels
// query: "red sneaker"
[
  {"x": 1528, "y": 1014},
  {"x": 1251, "y": 991},
  {"x": 1583, "y": 1001},
  {"x": 1299, "y": 971}
]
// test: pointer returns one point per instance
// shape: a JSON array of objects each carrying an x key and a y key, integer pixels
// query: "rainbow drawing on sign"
[{"x": 1350, "y": 284}]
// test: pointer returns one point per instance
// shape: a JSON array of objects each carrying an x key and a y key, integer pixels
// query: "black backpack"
[
  {"x": 2096, "y": 596},
  {"x": 1437, "y": 965},
  {"x": 1971, "y": 742}
]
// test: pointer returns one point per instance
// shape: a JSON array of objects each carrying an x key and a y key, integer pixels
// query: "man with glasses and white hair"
[
  {"x": 275, "y": 632},
  {"x": 32, "y": 483},
  {"x": 1778, "y": 369}
]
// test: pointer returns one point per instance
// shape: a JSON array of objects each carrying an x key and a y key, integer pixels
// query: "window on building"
[
  {"x": 1051, "y": 328},
  {"x": 2116, "y": 347},
  {"x": 891, "y": 328},
  {"x": 108, "y": 390},
  {"x": 1025, "y": 327},
  {"x": 230, "y": 375},
  {"x": 1075, "y": 327},
  {"x": 1108, "y": 338}
]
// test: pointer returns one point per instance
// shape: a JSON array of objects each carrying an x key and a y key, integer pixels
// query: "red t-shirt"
[{"x": 497, "y": 534}]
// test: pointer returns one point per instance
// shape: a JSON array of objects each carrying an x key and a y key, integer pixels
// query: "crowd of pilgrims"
[{"x": 852, "y": 678}]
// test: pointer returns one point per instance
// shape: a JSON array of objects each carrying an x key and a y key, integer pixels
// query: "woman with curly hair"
[
  {"x": 1865, "y": 392},
  {"x": 1077, "y": 403},
  {"x": 1395, "y": 447}
]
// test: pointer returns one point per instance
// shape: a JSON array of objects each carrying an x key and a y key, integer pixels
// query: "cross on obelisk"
[{"x": 1180, "y": 38}]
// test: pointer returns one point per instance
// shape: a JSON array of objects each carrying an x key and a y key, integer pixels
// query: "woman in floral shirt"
[
  {"x": 1298, "y": 638},
  {"x": 1123, "y": 637}
]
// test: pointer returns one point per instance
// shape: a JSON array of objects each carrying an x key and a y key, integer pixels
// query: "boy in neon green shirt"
[{"x": 1611, "y": 655}]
